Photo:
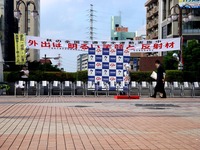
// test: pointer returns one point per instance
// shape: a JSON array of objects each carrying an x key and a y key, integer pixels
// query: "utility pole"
[{"x": 91, "y": 22}]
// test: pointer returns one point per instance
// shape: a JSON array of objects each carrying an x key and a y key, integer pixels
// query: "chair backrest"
[
  {"x": 196, "y": 84},
  {"x": 176, "y": 84},
  {"x": 56, "y": 83},
  {"x": 90, "y": 84},
  {"x": 104, "y": 84},
  {"x": 167, "y": 84},
  {"x": 32, "y": 83},
  {"x": 123, "y": 84},
  {"x": 144, "y": 84},
  {"x": 120, "y": 85},
  {"x": 112, "y": 84},
  {"x": 20, "y": 84},
  {"x": 67, "y": 84},
  {"x": 79, "y": 83},
  {"x": 133, "y": 84},
  {"x": 45, "y": 83},
  {"x": 186, "y": 85}
]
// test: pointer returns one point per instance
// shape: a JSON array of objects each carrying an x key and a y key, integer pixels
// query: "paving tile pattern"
[{"x": 77, "y": 123}]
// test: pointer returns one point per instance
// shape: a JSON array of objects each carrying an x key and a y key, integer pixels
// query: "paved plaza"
[{"x": 88, "y": 123}]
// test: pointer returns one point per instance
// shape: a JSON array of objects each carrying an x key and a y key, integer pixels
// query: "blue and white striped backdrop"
[{"x": 107, "y": 64}]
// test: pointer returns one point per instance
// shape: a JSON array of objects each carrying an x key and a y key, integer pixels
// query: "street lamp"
[
  {"x": 181, "y": 17},
  {"x": 17, "y": 12}
]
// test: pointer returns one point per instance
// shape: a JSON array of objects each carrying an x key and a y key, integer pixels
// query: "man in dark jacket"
[{"x": 160, "y": 81}]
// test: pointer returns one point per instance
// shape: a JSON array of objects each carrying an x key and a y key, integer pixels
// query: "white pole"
[{"x": 1, "y": 64}]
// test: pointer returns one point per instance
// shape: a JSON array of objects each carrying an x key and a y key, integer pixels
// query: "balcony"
[
  {"x": 148, "y": 37},
  {"x": 149, "y": 14},
  {"x": 149, "y": 25},
  {"x": 149, "y": 2},
  {"x": 155, "y": 10},
  {"x": 155, "y": 35},
  {"x": 155, "y": 22}
]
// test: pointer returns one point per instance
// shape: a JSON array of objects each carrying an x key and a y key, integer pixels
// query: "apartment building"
[{"x": 152, "y": 19}]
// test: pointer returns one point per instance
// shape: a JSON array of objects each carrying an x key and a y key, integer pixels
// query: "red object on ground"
[{"x": 127, "y": 97}]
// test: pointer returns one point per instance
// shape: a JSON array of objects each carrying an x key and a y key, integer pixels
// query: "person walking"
[{"x": 160, "y": 81}]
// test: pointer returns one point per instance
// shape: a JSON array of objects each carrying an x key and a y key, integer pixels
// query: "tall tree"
[
  {"x": 169, "y": 62},
  {"x": 191, "y": 56}
]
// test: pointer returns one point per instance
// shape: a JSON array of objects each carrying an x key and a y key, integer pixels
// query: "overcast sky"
[{"x": 69, "y": 19}]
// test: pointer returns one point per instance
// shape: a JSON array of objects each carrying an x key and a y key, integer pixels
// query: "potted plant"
[{"x": 4, "y": 87}]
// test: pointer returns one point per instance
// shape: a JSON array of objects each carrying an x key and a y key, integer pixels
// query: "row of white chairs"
[
  {"x": 174, "y": 89},
  {"x": 80, "y": 88},
  {"x": 66, "y": 88}
]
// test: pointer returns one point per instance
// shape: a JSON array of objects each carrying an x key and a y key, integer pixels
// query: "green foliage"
[
  {"x": 5, "y": 75},
  {"x": 82, "y": 76},
  {"x": 191, "y": 56},
  {"x": 5, "y": 86},
  {"x": 141, "y": 76},
  {"x": 171, "y": 75},
  {"x": 169, "y": 62},
  {"x": 49, "y": 76},
  {"x": 191, "y": 76},
  {"x": 174, "y": 75},
  {"x": 12, "y": 76}
]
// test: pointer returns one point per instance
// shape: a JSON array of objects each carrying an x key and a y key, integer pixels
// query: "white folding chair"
[
  {"x": 152, "y": 87},
  {"x": 67, "y": 86},
  {"x": 112, "y": 87},
  {"x": 32, "y": 88},
  {"x": 144, "y": 88},
  {"x": 176, "y": 89},
  {"x": 79, "y": 87},
  {"x": 168, "y": 89},
  {"x": 187, "y": 90},
  {"x": 44, "y": 88},
  {"x": 196, "y": 89},
  {"x": 134, "y": 88},
  {"x": 90, "y": 87},
  {"x": 102, "y": 87},
  {"x": 20, "y": 85},
  {"x": 122, "y": 87},
  {"x": 55, "y": 88}
]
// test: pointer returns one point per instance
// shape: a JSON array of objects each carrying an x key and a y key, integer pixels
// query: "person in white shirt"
[{"x": 24, "y": 73}]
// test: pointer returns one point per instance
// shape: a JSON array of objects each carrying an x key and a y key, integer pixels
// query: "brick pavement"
[{"x": 89, "y": 123}]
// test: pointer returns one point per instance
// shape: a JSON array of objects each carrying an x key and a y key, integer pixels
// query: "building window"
[
  {"x": 29, "y": 20},
  {"x": 29, "y": 29},
  {"x": 196, "y": 12},
  {"x": 191, "y": 27},
  {"x": 164, "y": 10},
  {"x": 164, "y": 32},
  {"x": 169, "y": 29}
]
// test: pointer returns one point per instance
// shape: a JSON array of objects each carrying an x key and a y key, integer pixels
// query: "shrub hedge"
[{"x": 172, "y": 75}]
